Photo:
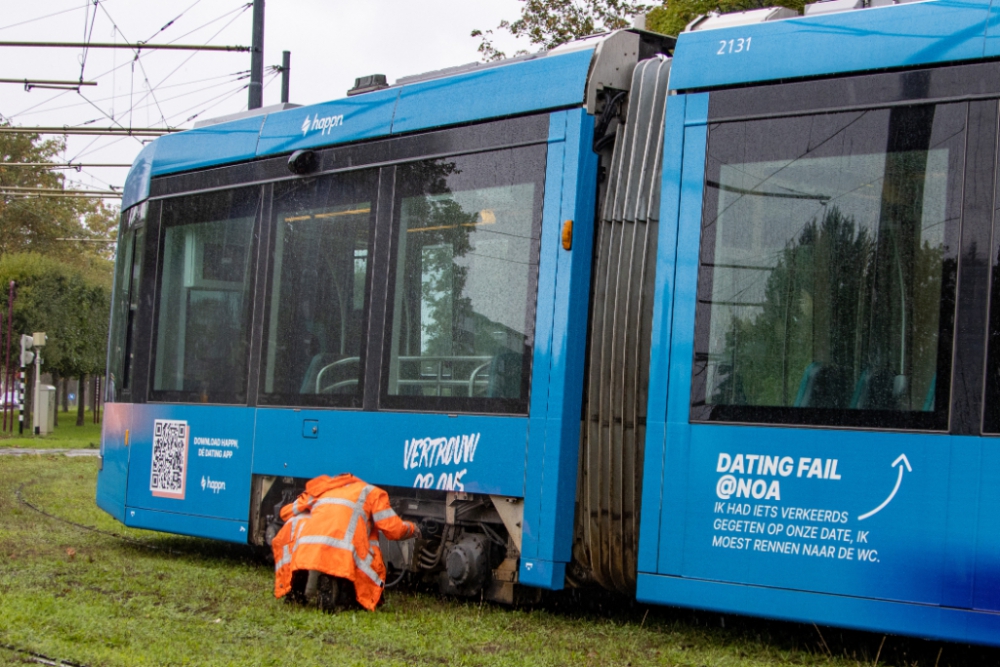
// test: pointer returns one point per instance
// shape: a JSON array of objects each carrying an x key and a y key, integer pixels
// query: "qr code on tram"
[{"x": 168, "y": 470}]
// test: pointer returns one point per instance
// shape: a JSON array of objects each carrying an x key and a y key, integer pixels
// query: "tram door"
[
  {"x": 113, "y": 475},
  {"x": 191, "y": 435}
]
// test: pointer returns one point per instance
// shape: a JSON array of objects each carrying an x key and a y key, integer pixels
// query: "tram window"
[
  {"x": 314, "y": 329},
  {"x": 463, "y": 290},
  {"x": 205, "y": 292},
  {"x": 128, "y": 268},
  {"x": 991, "y": 397},
  {"x": 827, "y": 274}
]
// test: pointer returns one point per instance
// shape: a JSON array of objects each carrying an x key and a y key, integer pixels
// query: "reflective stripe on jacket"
[{"x": 333, "y": 527}]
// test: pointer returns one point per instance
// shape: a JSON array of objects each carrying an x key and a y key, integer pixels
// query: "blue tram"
[{"x": 708, "y": 321}]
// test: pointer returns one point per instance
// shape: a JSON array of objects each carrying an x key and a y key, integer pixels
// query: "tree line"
[
  {"x": 548, "y": 23},
  {"x": 63, "y": 287}
]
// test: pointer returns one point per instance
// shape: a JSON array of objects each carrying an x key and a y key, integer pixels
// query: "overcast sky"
[{"x": 332, "y": 42}]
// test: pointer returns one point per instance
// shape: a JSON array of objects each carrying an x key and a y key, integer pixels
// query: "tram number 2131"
[{"x": 733, "y": 46}]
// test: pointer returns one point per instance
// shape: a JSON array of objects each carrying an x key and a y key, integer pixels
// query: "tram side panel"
[
  {"x": 112, "y": 476},
  {"x": 878, "y": 515},
  {"x": 191, "y": 466},
  {"x": 189, "y": 470}
]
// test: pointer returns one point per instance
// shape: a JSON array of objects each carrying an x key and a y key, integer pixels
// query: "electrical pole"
[
  {"x": 256, "y": 89},
  {"x": 286, "y": 65},
  {"x": 9, "y": 375}
]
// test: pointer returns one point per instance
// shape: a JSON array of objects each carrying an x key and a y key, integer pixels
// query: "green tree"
[
  {"x": 34, "y": 224},
  {"x": 549, "y": 23},
  {"x": 71, "y": 305},
  {"x": 64, "y": 284},
  {"x": 674, "y": 15}
]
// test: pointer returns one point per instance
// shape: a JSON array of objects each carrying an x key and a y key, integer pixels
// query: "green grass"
[
  {"x": 67, "y": 435},
  {"x": 197, "y": 602}
]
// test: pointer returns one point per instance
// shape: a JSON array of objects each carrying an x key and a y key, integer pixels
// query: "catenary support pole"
[
  {"x": 286, "y": 65},
  {"x": 36, "y": 395},
  {"x": 256, "y": 90},
  {"x": 9, "y": 375},
  {"x": 6, "y": 387}
]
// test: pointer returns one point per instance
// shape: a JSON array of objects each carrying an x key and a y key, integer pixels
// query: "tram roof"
[
  {"x": 873, "y": 38},
  {"x": 905, "y": 35},
  {"x": 552, "y": 80}
]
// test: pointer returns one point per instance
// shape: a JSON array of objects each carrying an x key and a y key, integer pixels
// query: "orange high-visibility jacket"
[{"x": 333, "y": 527}]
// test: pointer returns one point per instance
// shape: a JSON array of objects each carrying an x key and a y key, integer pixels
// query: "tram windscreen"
[
  {"x": 314, "y": 331},
  {"x": 205, "y": 291},
  {"x": 826, "y": 288},
  {"x": 466, "y": 262}
]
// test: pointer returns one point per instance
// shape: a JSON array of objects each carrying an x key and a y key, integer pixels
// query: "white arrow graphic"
[{"x": 900, "y": 461}]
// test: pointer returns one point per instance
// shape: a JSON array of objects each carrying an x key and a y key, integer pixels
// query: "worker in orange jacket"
[{"x": 333, "y": 528}]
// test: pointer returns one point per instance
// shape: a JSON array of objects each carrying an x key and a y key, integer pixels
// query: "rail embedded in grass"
[
  {"x": 67, "y": 435},
  {"x": 72, "y": 588}
]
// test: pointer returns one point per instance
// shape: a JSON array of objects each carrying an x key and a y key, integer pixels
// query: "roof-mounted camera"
[{"x": 302, "y": 162}]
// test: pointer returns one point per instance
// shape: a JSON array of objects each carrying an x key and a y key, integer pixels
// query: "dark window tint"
[
  {"x": 462, "y": 298},
  {"x": 314, "y": 327},
  {"x": 827, "y": 280},
  {"x": 205, "y": 291},
  {"x": 128, "y": 267},
  {"x": 991, "y": 402}
]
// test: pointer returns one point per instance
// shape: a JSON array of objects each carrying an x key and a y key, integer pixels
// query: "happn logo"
[
  {"x": 323, "y": 125},
  {"x": 211, "y": 484}
]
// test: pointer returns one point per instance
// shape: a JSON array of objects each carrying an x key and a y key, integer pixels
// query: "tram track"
[
  {"x": 18, "y": 493},
  {"x": 40, "y": 658}
]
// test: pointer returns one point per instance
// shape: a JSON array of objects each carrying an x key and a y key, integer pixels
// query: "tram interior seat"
[
  {"x": 505, "y": 375},
  {"x": 878, "y": 389},
  {"x": 822, "y": 386},
  {"x": 826, "y": 386},
  {"x": 328, "y": 374}
]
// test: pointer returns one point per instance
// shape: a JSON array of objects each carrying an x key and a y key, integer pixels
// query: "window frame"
[
  {"x": 126, "y": 299},
  {"x": 268, "y": 260},
  {"x": 383, "y": 154},
  {"x": 463, "y": 404},
  {"x": 156, "y": 285},
  {"x": 940, "y": 420}
]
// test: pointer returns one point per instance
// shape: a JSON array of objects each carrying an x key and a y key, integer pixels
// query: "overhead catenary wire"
[
  {"x": 54, "y": 82},
  {"x": 142, "y": 67},
  {"x": 240, "y": 75},
  {"x": 40, "y": 18},
  {"x": 139, "y": 46},
  {"x": 127, "y": 131},
  {"x": 188, "y": 93},
  {"x": 225, "y": 97},
  {"x": 8, "y": 190},
  {"x": 65, "y": 165},
  {"x": 172, "y": 21},
  {"x": 154, "y": 83},
  {"x": 87, "y": 35},
  {"x": 186, "y": 60},
  {"x": 150, "y": 93},
  {"x": 238, "y": 11}
]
